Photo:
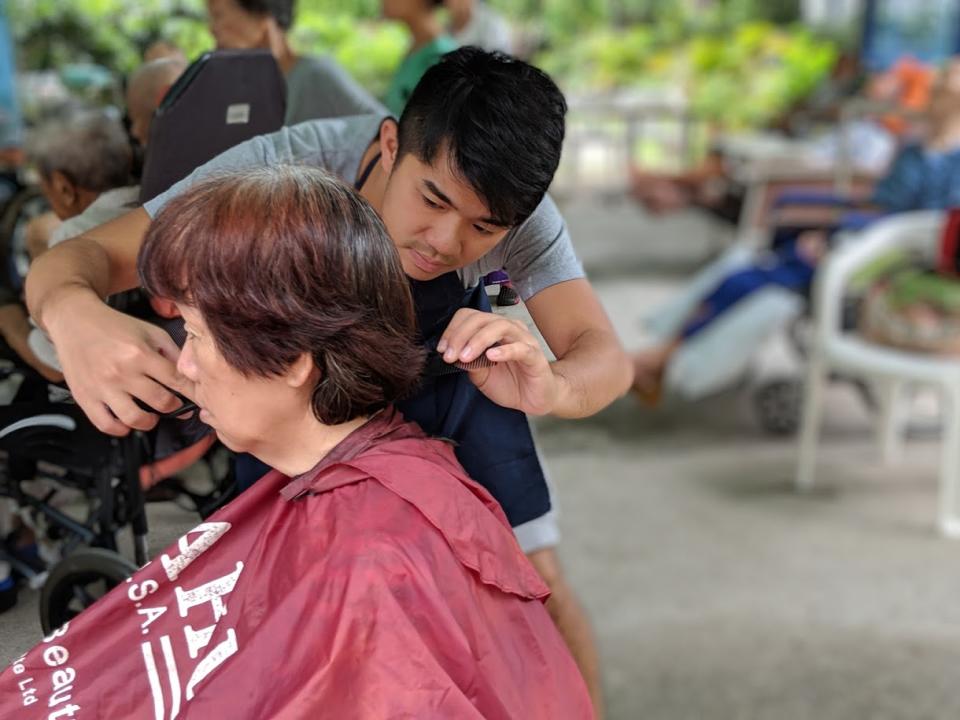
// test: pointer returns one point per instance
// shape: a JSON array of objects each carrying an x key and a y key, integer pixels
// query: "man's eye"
[
  {"x": 482, "y": 230},
  {"x": 430, "y": 203}
]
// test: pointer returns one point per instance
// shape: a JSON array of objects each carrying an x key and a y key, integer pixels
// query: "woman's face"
[
  {"x": 234, "y": 28},
  {"x": 249, "y": 413}
]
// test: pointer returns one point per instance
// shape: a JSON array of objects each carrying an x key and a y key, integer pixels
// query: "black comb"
[{"x": 436, "y": 366}]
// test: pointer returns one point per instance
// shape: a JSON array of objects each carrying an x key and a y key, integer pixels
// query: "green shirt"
[{"x": 412, "y": 69}]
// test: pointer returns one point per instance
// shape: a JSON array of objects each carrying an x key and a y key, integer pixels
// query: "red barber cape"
[{"x": 382, "y": 584}]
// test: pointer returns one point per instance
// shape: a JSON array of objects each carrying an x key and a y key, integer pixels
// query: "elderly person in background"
[
  {"x": 161, "y": 49},
  {"x": 367, "y": 570},
  {"x": 923, "y": 176},
  {"x": 317, "y": 87},
  {"x": 145, "y": 91},
  {"x": 84, "y": 163},
  {"x": 147, "y": 86},
  {"x": 80, "y": 158}
]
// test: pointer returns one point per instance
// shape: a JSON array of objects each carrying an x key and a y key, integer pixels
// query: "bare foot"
[{"x": 648, "y": 369}]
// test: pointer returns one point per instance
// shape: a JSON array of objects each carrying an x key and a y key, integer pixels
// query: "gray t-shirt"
[
  {"x": 536, "y": 254},
  {"x": 110, "y": 205},
  {"x": 317, "y": 87}
]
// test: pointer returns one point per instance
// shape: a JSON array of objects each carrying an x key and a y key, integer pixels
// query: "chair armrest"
[{"x": 918, "y": 232}]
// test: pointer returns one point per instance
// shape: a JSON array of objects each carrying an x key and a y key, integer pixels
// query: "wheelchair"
[
  {"x": 47, "y": 441},
  {"x": 45, "y": 438}
]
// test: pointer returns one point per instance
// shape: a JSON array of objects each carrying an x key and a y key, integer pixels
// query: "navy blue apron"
[{"x": 493, "y": 443}]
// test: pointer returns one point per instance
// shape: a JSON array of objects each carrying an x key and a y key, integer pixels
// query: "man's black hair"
[
  {"x": 280, "y": 10},
  {"x": 500, "y": 120}
]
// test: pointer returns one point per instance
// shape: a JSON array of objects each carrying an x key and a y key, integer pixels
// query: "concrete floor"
[{"x": 717, "y": 592}]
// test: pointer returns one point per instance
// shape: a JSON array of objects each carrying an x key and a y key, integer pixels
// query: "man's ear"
[
  {"x": 301, "y": 371},
  {"x": 64, "y": 188},
  {"x": 389, "y": 144}
]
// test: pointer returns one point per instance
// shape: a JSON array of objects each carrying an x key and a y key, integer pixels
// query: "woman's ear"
[
  {"x": 302, "y": 371},
  {"x": 389, "y": 144}
]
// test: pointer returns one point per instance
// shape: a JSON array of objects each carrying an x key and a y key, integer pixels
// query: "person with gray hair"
[
  {"x": 84, "y": 161},
  {"x": 146, "y": 89},
  {"x": 79, "y": 157}
]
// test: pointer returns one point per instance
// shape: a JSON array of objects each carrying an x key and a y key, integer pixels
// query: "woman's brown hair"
[{"x": 287, "y": 260}]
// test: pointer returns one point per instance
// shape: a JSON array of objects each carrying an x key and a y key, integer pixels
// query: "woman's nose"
[{"x": 185, "y": 363}]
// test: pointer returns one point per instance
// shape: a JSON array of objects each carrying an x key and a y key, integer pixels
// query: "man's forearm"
[
  {"x": 592, "y": 374},
  {"x": 75, "y": 267}
]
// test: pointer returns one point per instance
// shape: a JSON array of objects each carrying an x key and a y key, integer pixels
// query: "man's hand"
[
  {"x": 109, "y": 358},
  {"x": 521, "y": 376}
]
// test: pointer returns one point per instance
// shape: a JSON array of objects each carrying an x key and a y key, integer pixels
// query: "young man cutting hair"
[{"x": 460, "y": 182}]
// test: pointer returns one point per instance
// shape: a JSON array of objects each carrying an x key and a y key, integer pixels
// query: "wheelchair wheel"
[
  {"x": 14, "y": 261},
  {"x": 79, "y": 580},
  {"x": 776, "y": 404}
]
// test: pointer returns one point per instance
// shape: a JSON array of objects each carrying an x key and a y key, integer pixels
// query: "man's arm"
[
  {"x": 108, "y": 358},
  {"x": 592, "y": 368},
  {"x": 99, "y": 263}
]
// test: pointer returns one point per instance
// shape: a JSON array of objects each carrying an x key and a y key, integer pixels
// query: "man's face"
[{"x": 437, "y": 222}]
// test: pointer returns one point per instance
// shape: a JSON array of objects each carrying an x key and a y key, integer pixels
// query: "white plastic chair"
[{"x": 890, "y": 369}]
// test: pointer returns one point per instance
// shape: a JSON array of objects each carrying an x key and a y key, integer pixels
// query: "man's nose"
[{"x": 444, "y": 237}]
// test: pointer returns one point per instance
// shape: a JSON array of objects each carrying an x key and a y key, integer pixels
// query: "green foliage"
[
  {"x": 370, "y": 52},
  {"x": 112, "y": 33},
  {"x": 745, "y": 77},
  {"x": 753, "y": 77},
  {"x": 602, "y": 59},
  {"x": 736, "y": 70}
]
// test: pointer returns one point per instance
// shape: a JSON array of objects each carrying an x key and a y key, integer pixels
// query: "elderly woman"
[{"x": 367, "y": 577}]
